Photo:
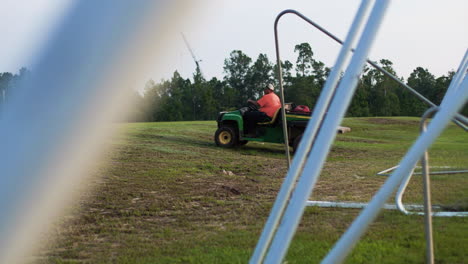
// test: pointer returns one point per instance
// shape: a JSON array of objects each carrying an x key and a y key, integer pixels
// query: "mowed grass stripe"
[{"x": 169, "y": 195}]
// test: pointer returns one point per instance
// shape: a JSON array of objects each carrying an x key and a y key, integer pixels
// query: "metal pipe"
[
  {"x": 448, "y": 109},
  {"x": 427, "y": 192},
  {"x": 455, "y": 84},
  {"x": 357, "y": 205},
  {"x": 444, "y": 172},
  {"x": 289, "y": 182},
  {"x": 308, "y": 138},
  {"x": 432, "y": 173},
  {"x": 387, "y": 170},
  {"x": 459, "y": 119},
  {"x": 401, "y": 190},
  {"x": 386, "y": 206},
  {"x": 325, "y": 137},
  {"x": 453, "y": 87},
  {"x": 457, "y": 78},
  {"x": 283, "y": 110}
]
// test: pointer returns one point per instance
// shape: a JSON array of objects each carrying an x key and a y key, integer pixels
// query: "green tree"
[
  {"x": 259, "y": 76},
  {"x": 440, "y": 87},
  {"x": 423, "y": 82},
  {"x": 5, "y": 85},
  {"x": 360, "y": 104},
  {"x": 180, "y": 99},
  {"x": 304, "y": 60},
  {"x": 286, "y": 68},
  {"x": 9, "y": 82},
  {"x": 303, "y": 91},
  {"x": 320, "y": 73},
  {"x": 196, "y": 92},
  {"x": 223, "y": 95},
  {"x": 155, "y": 95},
  {"x": 310, "y": 77},
  {"x": 236, "y": 68},
  {"x": 205, "y": 105},
  {"x": 383, "y": 100}
]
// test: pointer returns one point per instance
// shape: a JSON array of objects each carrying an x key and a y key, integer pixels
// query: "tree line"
[
  {"x": 181, "y": 98},
  {"x": 9, "y": 81},
  {"x": 201, "y": 99}
]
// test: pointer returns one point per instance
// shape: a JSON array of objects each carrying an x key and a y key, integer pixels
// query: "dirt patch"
[
  {"x": 347, "y": 152},
  {"x": 169, "y": 189}
]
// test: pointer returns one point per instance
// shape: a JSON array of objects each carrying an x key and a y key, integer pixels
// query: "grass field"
[{"x": 169, "y": 195}]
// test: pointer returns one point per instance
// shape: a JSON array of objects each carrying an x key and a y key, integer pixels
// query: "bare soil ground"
[{"x": 169, "y": 195}]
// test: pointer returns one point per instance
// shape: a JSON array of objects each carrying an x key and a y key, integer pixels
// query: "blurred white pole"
[
  {"x": 458, "y": 77},
  {"x": 54, "y": 127},
  {"x": 309, "y": 135},
  {"x": 449, "y": 107},
  {"x": 325, "y": 137}
]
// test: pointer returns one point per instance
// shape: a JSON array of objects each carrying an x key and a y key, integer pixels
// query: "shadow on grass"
[
  {"x": 252, "y": 148},
  {"x": 180, "y": 140}
]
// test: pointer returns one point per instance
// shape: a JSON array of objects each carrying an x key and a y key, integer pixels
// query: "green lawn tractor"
[{"x": 230, "y": 131}]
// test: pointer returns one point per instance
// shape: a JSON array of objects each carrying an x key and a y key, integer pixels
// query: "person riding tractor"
[
  {"x": 263, "y": 110},
  {"x": 260, "y": 121}
]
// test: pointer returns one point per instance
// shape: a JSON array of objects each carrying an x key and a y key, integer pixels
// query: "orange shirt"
[{"x": 269, "y": 103}]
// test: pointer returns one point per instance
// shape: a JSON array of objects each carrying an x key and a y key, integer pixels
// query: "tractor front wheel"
[{"x": 226, "y": 137}]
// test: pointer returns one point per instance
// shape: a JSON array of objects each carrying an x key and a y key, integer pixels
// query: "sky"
[{"x": 432, "y": 34}]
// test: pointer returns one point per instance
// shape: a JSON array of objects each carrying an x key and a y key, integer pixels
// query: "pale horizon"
[{"x": 429, "y": 34}]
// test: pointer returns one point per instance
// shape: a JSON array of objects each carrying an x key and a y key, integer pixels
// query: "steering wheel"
[{"x": 252, "y": 106}]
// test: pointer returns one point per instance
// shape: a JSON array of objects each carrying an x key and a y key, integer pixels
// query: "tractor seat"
[{"x": 273, "y": 119}]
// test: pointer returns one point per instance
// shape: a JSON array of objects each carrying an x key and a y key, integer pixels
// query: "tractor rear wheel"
[{"x": 226, "y": 137}]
